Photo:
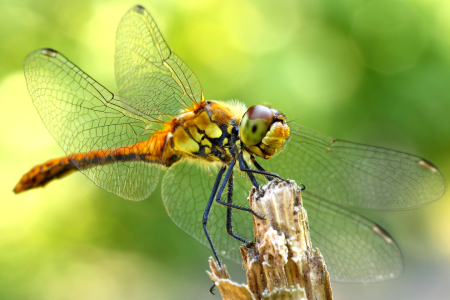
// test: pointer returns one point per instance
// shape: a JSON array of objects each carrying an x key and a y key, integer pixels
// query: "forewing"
[
  {"x": 186, "y": 189},
  {"x": 356, "y": 175},
  {"x": 355, "y": 249},
  {"x": 82, "y": 116},
  {"x": 147, "y": 72}
]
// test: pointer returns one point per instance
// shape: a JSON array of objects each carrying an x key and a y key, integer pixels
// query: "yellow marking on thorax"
[
  {"x": 195, "y": 134},
  {"x": 206, "y": 142},
  {"x": 183, "y": 142},
  {"x": 203, "y": 122},
  {"x": 213, "y": 131}
]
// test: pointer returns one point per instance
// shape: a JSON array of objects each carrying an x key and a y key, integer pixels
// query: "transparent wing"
[
  {"x": 186, "y": 188},
  {"x": 147, "y": 72},
  {"x": 83, "y": 116},
  {"x": 352, "y": 174},
  {"x": 355, "y": 249}
]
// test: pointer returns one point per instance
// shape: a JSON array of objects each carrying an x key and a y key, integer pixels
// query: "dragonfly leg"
[
  {"x": 303, "y": 187},
  {"x": 230, "y": 213},
  {"x": 208, "y": 210},
  {"x": 226, "y": 179},
  {"x": 260, "y": 168},
  {"x": 211, "y": 290},
  {"x": 244, "y": 167}
]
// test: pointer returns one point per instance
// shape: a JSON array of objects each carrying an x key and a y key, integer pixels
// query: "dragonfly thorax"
[{"x": 205, "y": 133}]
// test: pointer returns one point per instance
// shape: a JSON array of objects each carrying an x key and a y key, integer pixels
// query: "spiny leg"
[
  {"x": 230, "y": 213},
  {"x": 244, "y": 167},
  {"x": 208, "y": 210},
  {"x": 211, "y": 290},
  {"x": 222, "y": 187},
  {"x": 243, "y": 163},
  {"x": 258, "y": 166},
  {"x": 228, "y": 178}
]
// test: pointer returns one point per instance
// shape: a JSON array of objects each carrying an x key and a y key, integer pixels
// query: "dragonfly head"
[{"x": 263, "y": 131}]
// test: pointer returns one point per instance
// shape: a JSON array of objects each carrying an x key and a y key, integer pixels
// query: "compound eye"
[{"x": 254, "y": 124}]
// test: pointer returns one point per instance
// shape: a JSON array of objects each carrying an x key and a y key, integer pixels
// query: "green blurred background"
[{"x": 370, "y": 71}]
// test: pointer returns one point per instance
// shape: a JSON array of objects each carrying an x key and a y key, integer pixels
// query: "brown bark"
[{"x": 281, "y": 264}]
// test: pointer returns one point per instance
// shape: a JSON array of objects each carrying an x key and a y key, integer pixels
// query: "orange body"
[{"x": 202, "y": 133}]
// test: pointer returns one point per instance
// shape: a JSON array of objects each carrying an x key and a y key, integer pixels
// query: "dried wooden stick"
[{"x": 281, "y": 264}]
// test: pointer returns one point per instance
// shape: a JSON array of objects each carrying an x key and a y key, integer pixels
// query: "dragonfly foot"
[
  {"x": 258, "y": 216},
  {"x": 211, "y": 290},
  {"x": 250, "y": 244},
  {"x": 230, "y": 232},
  {"x": 303, "y": 187}
]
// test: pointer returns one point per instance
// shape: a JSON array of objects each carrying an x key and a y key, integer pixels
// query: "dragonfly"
[{"x": 214, "y": 152}]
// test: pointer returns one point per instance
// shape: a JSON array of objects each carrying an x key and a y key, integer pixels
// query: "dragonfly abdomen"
[
  {"x": 40, "y": 175},
  {"x": 151, "y": 151}
]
